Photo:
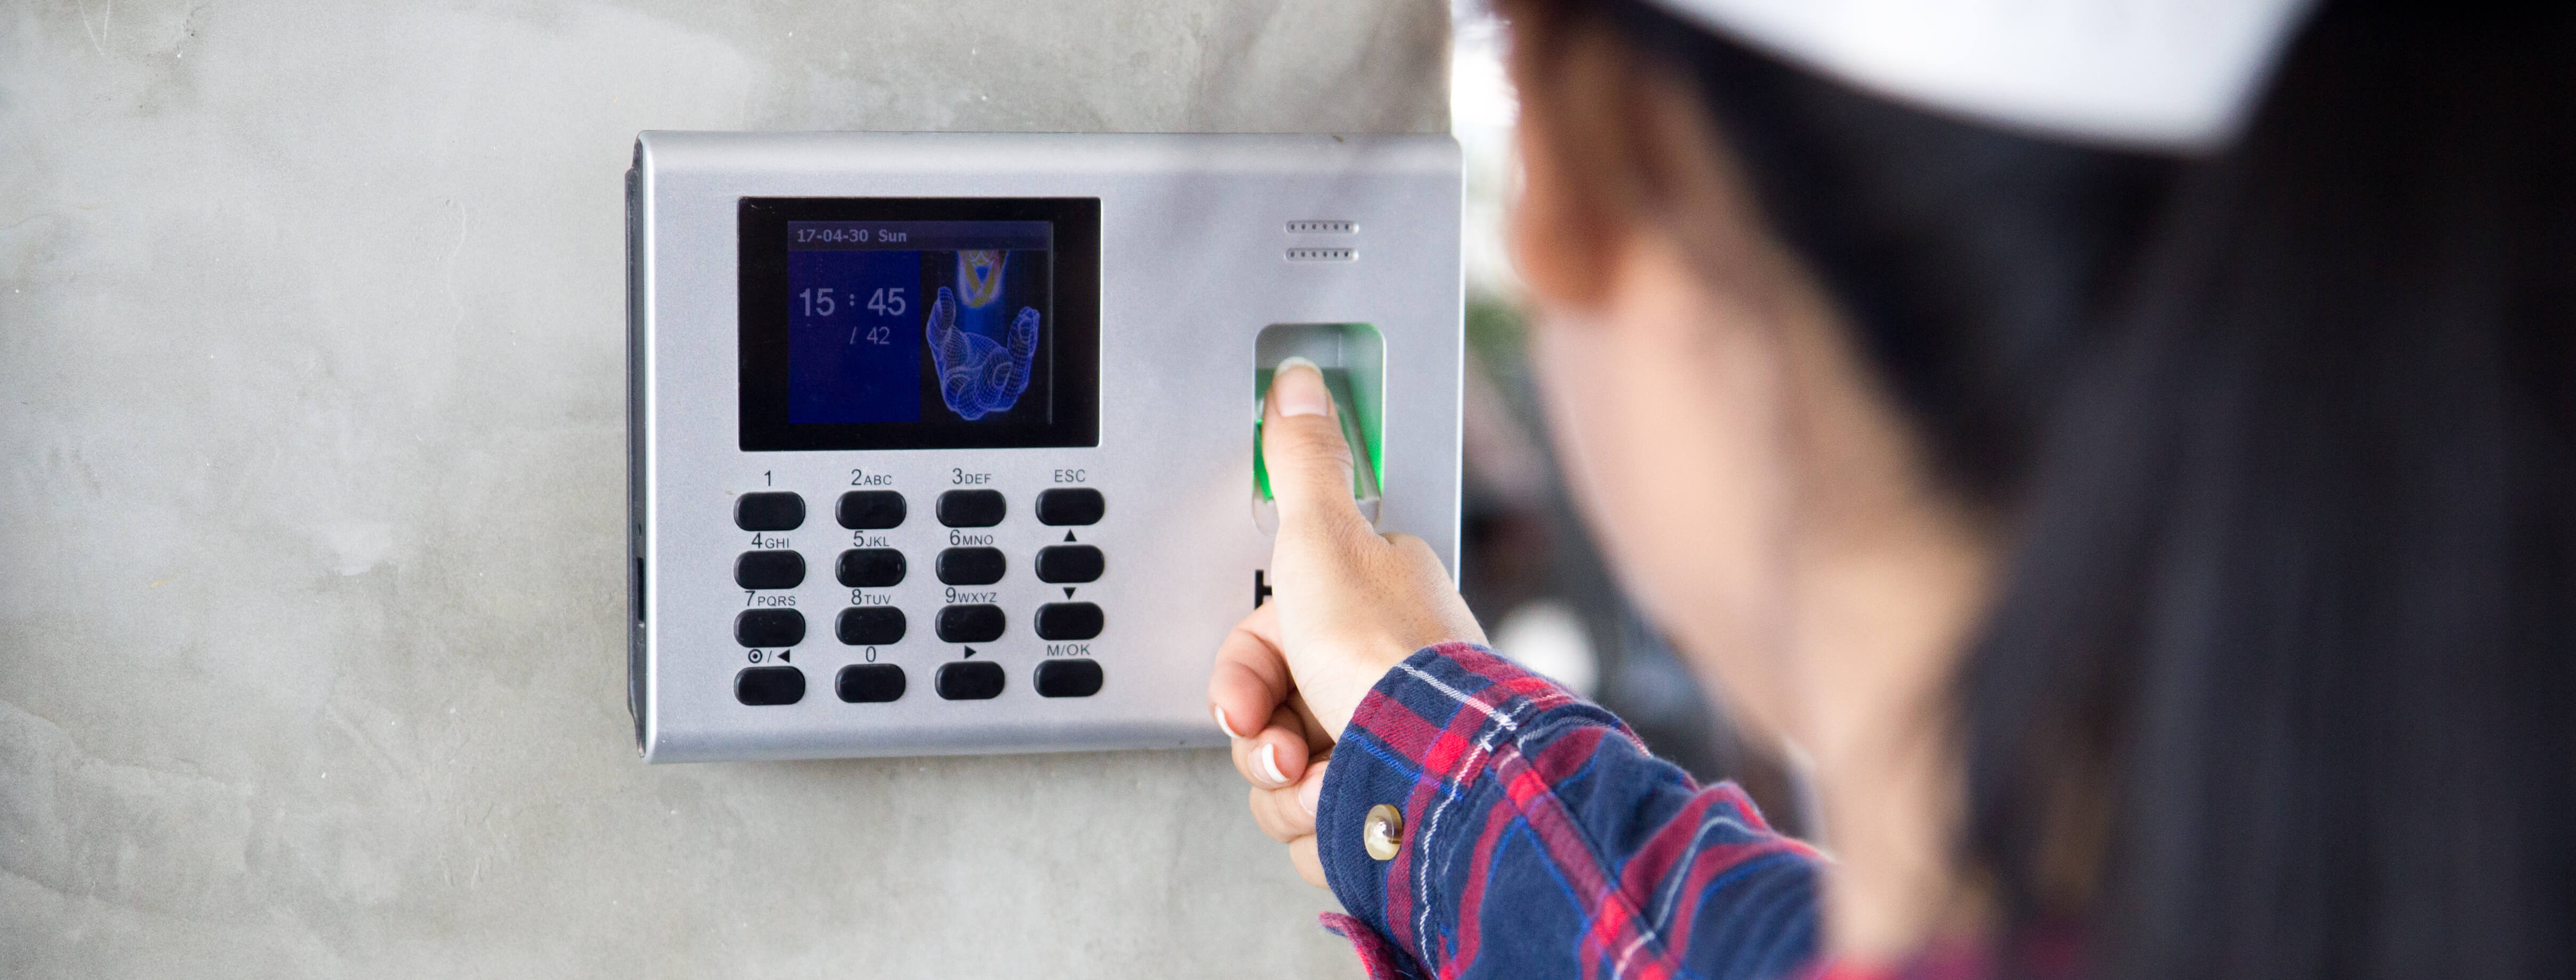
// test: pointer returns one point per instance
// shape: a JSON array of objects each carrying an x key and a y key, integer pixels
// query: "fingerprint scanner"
[{"x": 1352, "y": 357}]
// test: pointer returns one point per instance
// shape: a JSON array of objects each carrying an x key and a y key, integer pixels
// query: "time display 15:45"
[{"x": 821, "y": 301}]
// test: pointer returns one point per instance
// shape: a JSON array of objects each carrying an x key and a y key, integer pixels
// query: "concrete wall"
[{"x": 311, "y": 483}]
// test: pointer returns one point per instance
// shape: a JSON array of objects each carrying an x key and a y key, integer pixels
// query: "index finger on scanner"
[{"x": 1308, "y": 461}]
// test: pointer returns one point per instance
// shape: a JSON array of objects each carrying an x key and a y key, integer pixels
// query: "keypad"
[
  {"x": 871, "y": 568},
  {"x": 969, "y": 680},
  {"x": 769, "y": 570},
  {"x": 769, "y": 685},
  {"x": 971, "y": 624},
  {"x": 972, "y": 508},
  {"x": 1068, "y": 678},
  {"x": 1064, "y": 563},
  {"x": 871, "y": 510},
  {"x": 769, "y": 628},
  {"x": 871, "y": 626},
  {"x": 972, "y": 566},
  {"x": 869, "y": 683},
  {"x": 1068, "y": 621},
  {"x": 769, "y": 511},
  {"x": 1069, "y": 563},
  {"x": 1070, "y": 506}
]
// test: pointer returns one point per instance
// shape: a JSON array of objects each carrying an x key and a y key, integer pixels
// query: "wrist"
[{"x": 1355, "y": 676}]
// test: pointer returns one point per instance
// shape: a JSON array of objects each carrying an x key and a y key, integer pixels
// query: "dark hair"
[{"x": 2281, "y": 681}]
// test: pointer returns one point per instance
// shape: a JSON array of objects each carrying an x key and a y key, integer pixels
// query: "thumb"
[{"x": 1308, "y": 461}]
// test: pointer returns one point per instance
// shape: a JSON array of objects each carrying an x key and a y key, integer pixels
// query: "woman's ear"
[
  {"x": 1614, "y": 149},
  {"x": 1567, "y": 218}
]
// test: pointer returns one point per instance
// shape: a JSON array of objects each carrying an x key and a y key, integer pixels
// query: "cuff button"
[{"x": 1383, "y": 830}]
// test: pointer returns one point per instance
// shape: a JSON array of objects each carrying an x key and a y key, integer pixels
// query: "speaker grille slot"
[
  {"x": 1323, "y": 227},
  {"x": 1323, "y": 255}
]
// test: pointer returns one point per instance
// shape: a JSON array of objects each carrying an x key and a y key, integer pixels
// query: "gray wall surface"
[{"x": 311, "y": 471}]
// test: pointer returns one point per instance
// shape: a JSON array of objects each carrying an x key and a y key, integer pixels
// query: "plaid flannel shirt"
[{"x": 1540, "y": 839}]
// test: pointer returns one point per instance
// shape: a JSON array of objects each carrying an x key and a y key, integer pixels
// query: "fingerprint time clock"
[{"x": 943, "y": 443}]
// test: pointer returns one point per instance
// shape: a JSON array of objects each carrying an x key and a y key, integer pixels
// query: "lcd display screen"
[{"x": 910, "y": 323}]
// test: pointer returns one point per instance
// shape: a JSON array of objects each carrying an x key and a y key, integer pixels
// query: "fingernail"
[
  {"x": 1311, "y": 795},
  {"x": 1299, "y": 393},
  {"x": 1269, "y": 759},
  {"x": 1227, "y": 726}
]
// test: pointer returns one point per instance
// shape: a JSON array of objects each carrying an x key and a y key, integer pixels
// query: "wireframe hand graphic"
[{"x": 977, "y": 374}]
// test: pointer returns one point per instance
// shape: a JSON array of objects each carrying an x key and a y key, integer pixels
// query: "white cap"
[{"x": 2167, "y": 74}]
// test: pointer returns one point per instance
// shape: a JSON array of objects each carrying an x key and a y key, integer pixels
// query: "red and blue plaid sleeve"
[{"x": 1540, "y": 839}]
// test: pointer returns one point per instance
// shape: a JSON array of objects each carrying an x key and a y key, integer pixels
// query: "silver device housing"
[{"x": 1204, "y": 241}]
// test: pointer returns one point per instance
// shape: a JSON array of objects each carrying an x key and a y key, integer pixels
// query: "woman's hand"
[{"x": 1346, "y": 606}]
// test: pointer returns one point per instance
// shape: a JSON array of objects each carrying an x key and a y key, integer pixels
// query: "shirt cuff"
[
  {"x": 1419, "y": 742},
  {"x": 1379, "y": 958}
]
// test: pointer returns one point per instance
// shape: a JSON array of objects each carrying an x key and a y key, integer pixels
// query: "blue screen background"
[{"x": 855, "y": 363}]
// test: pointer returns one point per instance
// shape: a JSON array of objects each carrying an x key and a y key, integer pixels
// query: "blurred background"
[{"x": 1546, "y": 597}]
